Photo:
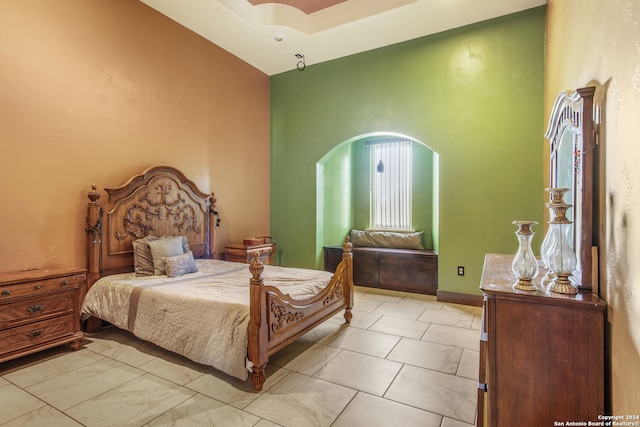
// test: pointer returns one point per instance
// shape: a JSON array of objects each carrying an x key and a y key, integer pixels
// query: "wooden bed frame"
[{"x": 162, "y": 201}]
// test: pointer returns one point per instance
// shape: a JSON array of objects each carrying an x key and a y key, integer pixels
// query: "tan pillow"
[
  {"x": 387, "y": 239},
  {"x": 180, "y": 264},
  {"x": 166, "y": 247},
  {"x": 142, "y": 259}
]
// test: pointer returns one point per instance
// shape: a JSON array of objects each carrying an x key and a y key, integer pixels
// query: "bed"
[{"x": 229, "y": 315}]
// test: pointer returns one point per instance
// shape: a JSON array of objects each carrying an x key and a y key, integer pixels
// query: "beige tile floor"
[{"x": 406, "y": 360}]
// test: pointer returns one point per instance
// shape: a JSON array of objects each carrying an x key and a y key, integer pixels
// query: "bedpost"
[
  {"x": 210, "y": 250},
  {"x": 347, "y": 258},
  {"x": 94, "y": 236},
  {"x": 258, "y": 338},
  {"x": 94, "y": 241}
]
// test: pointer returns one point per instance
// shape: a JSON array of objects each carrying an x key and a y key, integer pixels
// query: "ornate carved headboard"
[{"x": 159, "y": 201}]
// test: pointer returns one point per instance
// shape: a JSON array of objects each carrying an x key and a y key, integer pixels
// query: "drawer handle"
[
  {"x": 37, "y": 287},
  {"x": 64, "y": 283},
  {"x": 6, "y": 293},
  {"x": 36, "y": 333},
  {"x": 35, "y": 308}
]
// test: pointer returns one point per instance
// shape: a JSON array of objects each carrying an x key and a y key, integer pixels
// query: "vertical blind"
[{"x": 391, "y": 185}]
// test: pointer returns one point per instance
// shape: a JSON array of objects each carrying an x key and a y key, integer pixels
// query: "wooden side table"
[{"x": 238, "y": 252}]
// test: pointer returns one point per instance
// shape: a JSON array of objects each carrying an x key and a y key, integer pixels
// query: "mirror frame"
[{"x": 575, "y": 111}]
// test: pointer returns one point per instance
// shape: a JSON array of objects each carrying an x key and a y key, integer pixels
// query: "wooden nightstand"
[
  {"x": 40, "y": 309},
  {"x": 238, "y": 252}
]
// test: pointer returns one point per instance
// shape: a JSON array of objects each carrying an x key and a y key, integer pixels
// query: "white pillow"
[
  {"x": 168, "y": 247},
  {"x": 142, "y": 258},
  {"x": 180, "y": 264}
]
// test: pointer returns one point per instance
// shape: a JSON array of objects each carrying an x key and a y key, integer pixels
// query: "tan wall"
[
  {"x": 96, "y": 91},
  {"x": 597, "y": 39}
]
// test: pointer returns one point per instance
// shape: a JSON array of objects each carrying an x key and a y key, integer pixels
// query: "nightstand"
[
  {"x": 40, "y": 309},
  {"x": 239, "y": 252}
]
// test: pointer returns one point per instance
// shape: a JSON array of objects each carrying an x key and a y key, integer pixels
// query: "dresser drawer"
[
  {"x": 36, "y": 333},
  {"x": 263, "y": 253},
  {"x": 40, "y": 286},
  {"x": 33, "y": 309}
]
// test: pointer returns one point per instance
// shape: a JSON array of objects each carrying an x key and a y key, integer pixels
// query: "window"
[{"x": 391, "y": 184}]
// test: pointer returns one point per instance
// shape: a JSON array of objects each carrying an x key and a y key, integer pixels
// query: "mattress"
[{"x": 203, "y": 316}]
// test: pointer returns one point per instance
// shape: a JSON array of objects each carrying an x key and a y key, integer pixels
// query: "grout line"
[{"x": 367, "y": 328}]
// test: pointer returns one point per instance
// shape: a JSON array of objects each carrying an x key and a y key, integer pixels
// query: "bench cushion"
[{"x": 387, "y": 239}]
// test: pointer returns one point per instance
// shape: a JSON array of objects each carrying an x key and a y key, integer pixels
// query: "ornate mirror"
[{"x": 573, "y": 164}]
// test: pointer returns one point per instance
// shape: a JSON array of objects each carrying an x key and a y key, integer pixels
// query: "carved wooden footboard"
[{"x": 277, "y": 319}]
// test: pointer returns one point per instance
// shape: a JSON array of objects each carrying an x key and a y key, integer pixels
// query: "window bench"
[{"x": 408, "y": 270}]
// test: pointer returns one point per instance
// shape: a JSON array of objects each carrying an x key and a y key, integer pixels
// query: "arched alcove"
[{"x": 343, "y": 185}]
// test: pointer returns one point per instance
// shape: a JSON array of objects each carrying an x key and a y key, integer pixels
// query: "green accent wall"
[
  {"x": 334, "y": 188},
  {"x": 474, "y": 95}
]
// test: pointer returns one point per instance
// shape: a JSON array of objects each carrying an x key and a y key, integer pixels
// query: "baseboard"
[{"x": 459, "y": 298}]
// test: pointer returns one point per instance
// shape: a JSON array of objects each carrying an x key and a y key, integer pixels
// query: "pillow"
[
  {"x": 180, "y": 264},
  {"x": 387, "y": 239},
  {"x": 142, "y": 259},
  {"x": 165, "y": 247},
  {"x": 185, "y": 244}
]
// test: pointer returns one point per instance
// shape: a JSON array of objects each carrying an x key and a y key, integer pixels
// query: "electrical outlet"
[{"x": 460, "y": 270}]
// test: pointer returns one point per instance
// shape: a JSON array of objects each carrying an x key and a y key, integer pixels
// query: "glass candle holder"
[
  {"x": 557, "y": 210},
  {"x": 560, "y": 256},
  {"x": 544, "y": 251},
  {"x": 556, "y": 195},
  {"x": 524, "y": 264}
]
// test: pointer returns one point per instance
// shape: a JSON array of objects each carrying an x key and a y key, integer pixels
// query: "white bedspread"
[{"x": 203, "y": 316}]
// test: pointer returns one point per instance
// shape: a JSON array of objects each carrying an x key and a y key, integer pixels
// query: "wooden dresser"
[
  {"x": 238, "y": 252},
  {"x": 541, "y": 353},
  {"x": 40, "y": 309}
]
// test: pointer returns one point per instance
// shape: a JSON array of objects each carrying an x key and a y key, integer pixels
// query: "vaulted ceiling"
[{"x": 268, "y": 34}]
